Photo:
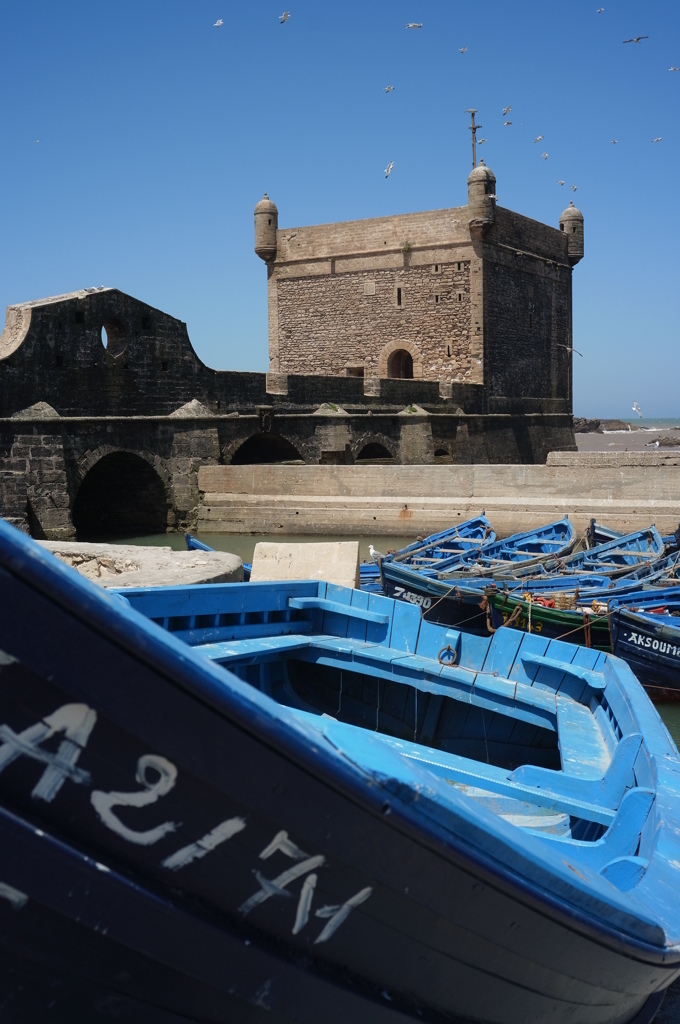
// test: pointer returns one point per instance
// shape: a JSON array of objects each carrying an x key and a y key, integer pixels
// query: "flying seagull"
[
  {"x": 389, "y": 88},
  {"x": 36, "y": 140},
  {"x": 388, "y": 169},
  {"x": 481, "y": 141},
  {"x": 573, "y": 188},
  {"x": 375, "y": 555},
  {"x": 414, "y": 24},
  {"x": 614, "y": 141},
  {"x": 284, "y": 17},
  {"x": 637, "y": 409},
  {"x": 636, "y": 39},
  {"x": 560, "y": 182},
  {"x": 507, "y": 122},
  {"x": 660, "y": 137},
  {"x": 544, "y": 155},
  {"x": 492, "y": 195},
  {"x": 570, "y": 348},
  {"x": 220, "y": 21},
  {"x": 463, "y": 49},
  {"x": 600, "y": 10},
  {"x": 538, "y": 138},
  {"x": 674, "y": 69},
  {"x": 506, "y": 110}
]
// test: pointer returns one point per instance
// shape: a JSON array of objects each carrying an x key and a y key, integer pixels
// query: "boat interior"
[{"x": 538, "y": 732}]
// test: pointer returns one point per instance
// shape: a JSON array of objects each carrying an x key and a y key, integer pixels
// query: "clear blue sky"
[{"x": 159, "y": 133}]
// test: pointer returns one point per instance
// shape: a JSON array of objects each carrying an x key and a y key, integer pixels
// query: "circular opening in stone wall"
[{"x": 113, "y": 337}]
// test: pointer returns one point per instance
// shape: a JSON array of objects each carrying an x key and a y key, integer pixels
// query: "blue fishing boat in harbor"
[
  {"x": 646, "y": 633},
  {"x": 298, "y": 802}
]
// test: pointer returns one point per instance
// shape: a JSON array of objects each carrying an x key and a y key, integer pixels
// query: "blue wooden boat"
[
  {"x": 470, "y": 535},
  {"x": 617, "y": 555},
  {"x": 646, "y": 633},
  {"x": 528, "y": 548},
  {"x": 299, "y": 803}
]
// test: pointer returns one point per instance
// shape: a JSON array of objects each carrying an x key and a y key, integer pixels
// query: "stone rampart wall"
[{"x": 624, "y": 491}]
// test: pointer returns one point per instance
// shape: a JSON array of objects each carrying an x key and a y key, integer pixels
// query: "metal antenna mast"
[{"x": 473, "y": 128}]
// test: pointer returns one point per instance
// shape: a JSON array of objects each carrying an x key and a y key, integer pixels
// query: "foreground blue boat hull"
[{"x": 174, "y": 846}]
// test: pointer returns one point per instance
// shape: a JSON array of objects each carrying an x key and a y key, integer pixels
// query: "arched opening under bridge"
[
  {"x": 265, "y": 448},
  {"x": 374, "y": 452},
  {"x": 121, "y": 495}
]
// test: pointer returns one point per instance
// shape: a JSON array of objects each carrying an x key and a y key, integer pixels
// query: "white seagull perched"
[
  {"x": 413, "y": 24},
  {"x": 284, "y": 17},
  {"x": 637, "y": 409},
  {"x": 389, "y": 88},
  {"x": 538, "y": 138},
  {"x": 652, "y": 444},
  {"x": 570, "y": 348},
  {"x": 388, "y": 169},
  {"x": 375, "y": 555},
  {"x": 635, "y": 39},
  {"x": 220, "y": 21},
  {"x": 506, "y": 110}
]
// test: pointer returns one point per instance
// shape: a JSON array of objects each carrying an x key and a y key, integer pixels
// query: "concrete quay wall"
[{"x": 624, "y": 490}]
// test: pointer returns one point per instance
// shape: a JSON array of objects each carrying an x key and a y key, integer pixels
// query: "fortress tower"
[{"x": 474, "y": 294}]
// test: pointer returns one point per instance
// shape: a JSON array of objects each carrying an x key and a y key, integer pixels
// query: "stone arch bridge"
[{"x": 107, "y": 413}]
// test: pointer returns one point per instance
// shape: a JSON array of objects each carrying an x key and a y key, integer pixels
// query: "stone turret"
[
  {"x": 266, "y": 224},
  {"x": 481, "y": 196},
  {"x": 571, "y": 222}
]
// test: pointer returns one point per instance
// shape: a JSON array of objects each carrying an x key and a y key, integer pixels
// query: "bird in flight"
[
  {"x": 388, "y": 169},
  {"x": 574, "y": 188},
  {"x": 414, "y": 24},
  {"x": 507, "y": 122},
  {"x": 389, "y": 88},
  {"x": 658, "y": 139},
  {"x": 637, "y": 409},
  {"x": 538, "y": 138},
  {"x": 36, "y": 140},
  {"x": 614, "y": 141},
  {"x": 569, "y": 348},
  {"x": 636, "y": 39},
  {"x": 506, "y": 110},
  {"x": 481, "y": 141},
  {"x": 284, "y": 17},
  {"x": 560, "y": 182},
  {"x": 463, "y": 49},
  {"x": 493, "y": 196},
  {"x": 544, "y": 155},
  {"x": 674, "y": 69},
  {"x": 220, "y": 21},
  {"x": 600, "y": 10}
]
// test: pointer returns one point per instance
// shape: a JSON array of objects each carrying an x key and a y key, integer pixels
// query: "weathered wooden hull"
[{"x": 652, "y": 649}]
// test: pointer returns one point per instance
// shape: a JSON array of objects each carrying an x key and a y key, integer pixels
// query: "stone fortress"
[
  {"x": 475, "y": 295},
  {"x": 438, "y": 337}
]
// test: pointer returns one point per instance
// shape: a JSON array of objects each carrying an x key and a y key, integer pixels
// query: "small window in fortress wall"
[
  {"x": 437, "y": 268},
  {"x": 399, "y": 296},
  {"x": 354, "y": 371},
  {"x": 436, "y": 300},
  {"x": 79, "y": 318},
  {"x": 459, "y": 266}
]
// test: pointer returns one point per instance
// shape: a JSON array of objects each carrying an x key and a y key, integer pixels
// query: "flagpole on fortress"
[{"x": 473, "y": 128}]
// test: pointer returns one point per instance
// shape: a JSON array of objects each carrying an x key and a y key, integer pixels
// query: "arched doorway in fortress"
[{"x": 121, "y": 494}]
